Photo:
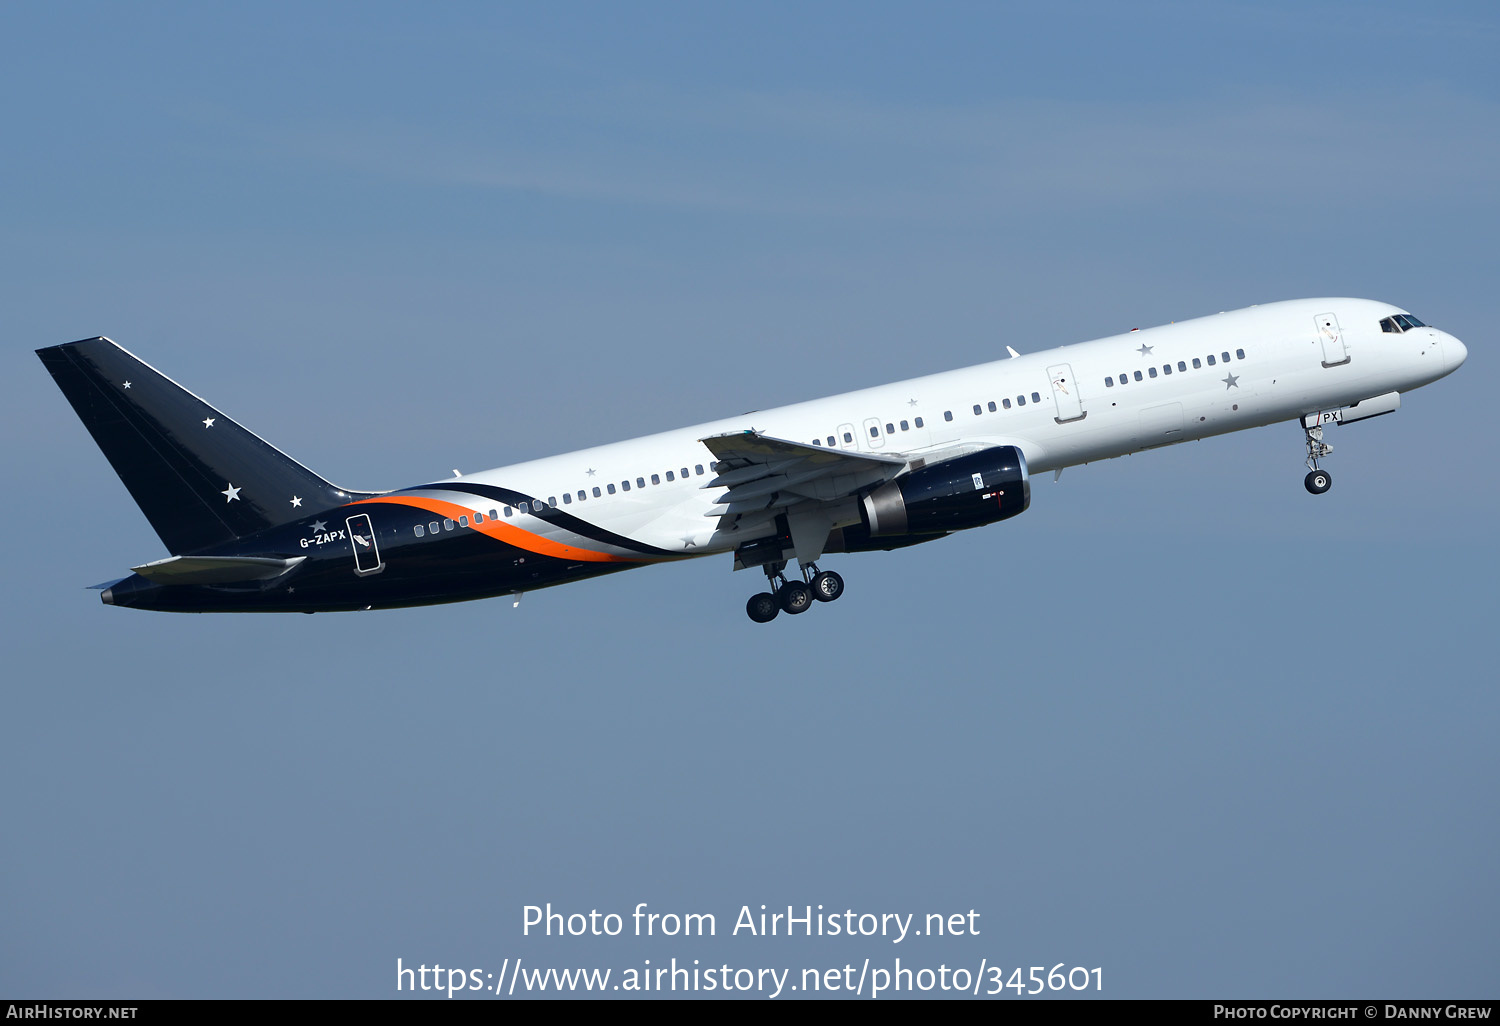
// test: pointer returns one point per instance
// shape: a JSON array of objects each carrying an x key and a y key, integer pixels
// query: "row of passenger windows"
[
  {"x": 537, "y": 505},
  {"x": 1166, "y": 368},
  {"x": 890, "y": 427},
  {"x": 1036, "y": 397}
]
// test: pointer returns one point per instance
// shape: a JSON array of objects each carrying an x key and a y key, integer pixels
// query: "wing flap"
[{"x": 767, "y": 475}]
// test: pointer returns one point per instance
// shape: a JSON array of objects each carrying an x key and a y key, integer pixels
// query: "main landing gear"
[
  {"x": 1317, "y": 480},
  {"x": 793, "y": 596}
]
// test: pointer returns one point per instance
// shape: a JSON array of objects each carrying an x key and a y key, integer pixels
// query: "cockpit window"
[{"x": 1399, "y": 323}]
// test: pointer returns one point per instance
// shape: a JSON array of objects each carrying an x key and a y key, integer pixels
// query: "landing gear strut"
[
  {"x": 1317, "y": 480},
  {"x": 793, "y": 596}
]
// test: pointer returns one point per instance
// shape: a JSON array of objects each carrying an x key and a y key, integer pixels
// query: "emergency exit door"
[
  {"x": 366, "y": 551},
  {"x": 1335, "y": 352},
  {"x": 1065, "y": 393}
]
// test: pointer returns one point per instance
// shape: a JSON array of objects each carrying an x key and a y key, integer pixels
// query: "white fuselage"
[{"x": 1061, "y": 407}]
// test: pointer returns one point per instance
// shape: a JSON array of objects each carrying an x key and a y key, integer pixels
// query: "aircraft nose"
[{"x": 1454, "y": 353}]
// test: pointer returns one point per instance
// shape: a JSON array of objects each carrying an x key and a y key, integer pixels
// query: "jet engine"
[{"x": 966, "y": 491}]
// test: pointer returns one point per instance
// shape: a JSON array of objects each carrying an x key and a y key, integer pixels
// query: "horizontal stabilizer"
[{"x": 215, "y": 569}]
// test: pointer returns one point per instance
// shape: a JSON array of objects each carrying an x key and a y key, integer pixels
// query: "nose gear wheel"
[{"x": 1317, "y": 480}]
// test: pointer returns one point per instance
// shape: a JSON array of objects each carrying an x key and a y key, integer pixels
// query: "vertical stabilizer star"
[
  {"x": 209, "y": 422},
  {"x": 296, "y": 502},
  {"x": 232, "y": 492}
]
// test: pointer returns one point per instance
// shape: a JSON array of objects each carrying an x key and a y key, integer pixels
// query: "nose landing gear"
[
  {"x": 793, "y": 597},
  {"x": 1317, "y": 480}
]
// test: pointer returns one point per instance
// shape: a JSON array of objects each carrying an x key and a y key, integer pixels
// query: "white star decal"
[
  {"x": 591, "y": 472},
  {"x": 209, "y": 422},
  {"x": 232, "y": 492},
  {"x": 1232, "y": 381},
  {"x": 911, "y": 402},
  {"x": 1145, "y": 350},
  {"x": 127, "y": 384},
  {"x": 689, "y": 542},
  {"x": 296, "y": 502},
  {"x": 318, "y": 525}
]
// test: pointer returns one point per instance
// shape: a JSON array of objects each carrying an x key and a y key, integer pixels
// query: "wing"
[
  {"x": 816, "y": 488},
  {"x": 763, "y": 473}
]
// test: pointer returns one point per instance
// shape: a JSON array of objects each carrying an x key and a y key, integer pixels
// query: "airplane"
[{"x": 252, "y": 530}]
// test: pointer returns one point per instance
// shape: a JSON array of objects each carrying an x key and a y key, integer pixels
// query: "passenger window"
[
  {"x": 655, "y": 479},
  {"x": 947, "y": 414},
  {"x": 1239, "y": 354},
  {"x": 831, "y": 444},
  {"x": 611, "y": 489},
  {"x": 447, "y": 525},
  {"x": 890, "y": 429},
  {"x": 992, "y": 406},
  {"x": 478, "y": 517},
  {"x": 918, "y": 422},
  {"x": 1166, "y": 368},
  {"x": 463, "y": 521},
  {"x": 625, "y": 485},
  {"x": 1005, "y": 403},
  {"x": 1225, "y": 357},
  {"x": 509, "y": 511},
  {"x": 1137, "y": 375},
  {"x": 848, "y": 437},
  {"x": 1151, "y": 371},
  {"x": 582, "y": 495},
  {"x": 977, "y": 409},
  {"x": 432, "y": 527},
  {"x": 640, "y": 482},
  {"x": 874, "y": 432},
  {"x": 596, "y": 492},
  {"x": 1109, "y": 382},
  {"x": 698, "y": 467},
  {"x": 567, "y": 499},
  {"x": 1036, "y": 397},
  {"x": 1182, "y": 366},
  {"x": 421, "y": 530},
  {"x": 1020, "y": 400},
  {"x": 816, "y": 442},
  {"x": 1210, "y": 359},
  {"x": 905, "y": 426},
  {"x": 670, "y": 476},
  {"x": 1197, "y": 365},
  {"x": 684, "y": 473}
]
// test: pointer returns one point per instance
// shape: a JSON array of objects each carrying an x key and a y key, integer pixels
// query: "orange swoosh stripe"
[{"x": 511, "y": 535}]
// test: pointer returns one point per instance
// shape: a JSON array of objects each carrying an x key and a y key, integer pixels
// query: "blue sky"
[{"x": 1180, "y": 720}]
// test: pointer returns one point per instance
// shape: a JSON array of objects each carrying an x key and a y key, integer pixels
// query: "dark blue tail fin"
[{"x": 200, "y": 478}]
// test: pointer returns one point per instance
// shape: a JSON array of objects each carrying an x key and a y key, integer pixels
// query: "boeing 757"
[{"x": 252, "y": 530}]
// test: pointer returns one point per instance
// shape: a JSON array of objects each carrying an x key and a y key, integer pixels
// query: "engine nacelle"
[{"x": 966, "y": 491}]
